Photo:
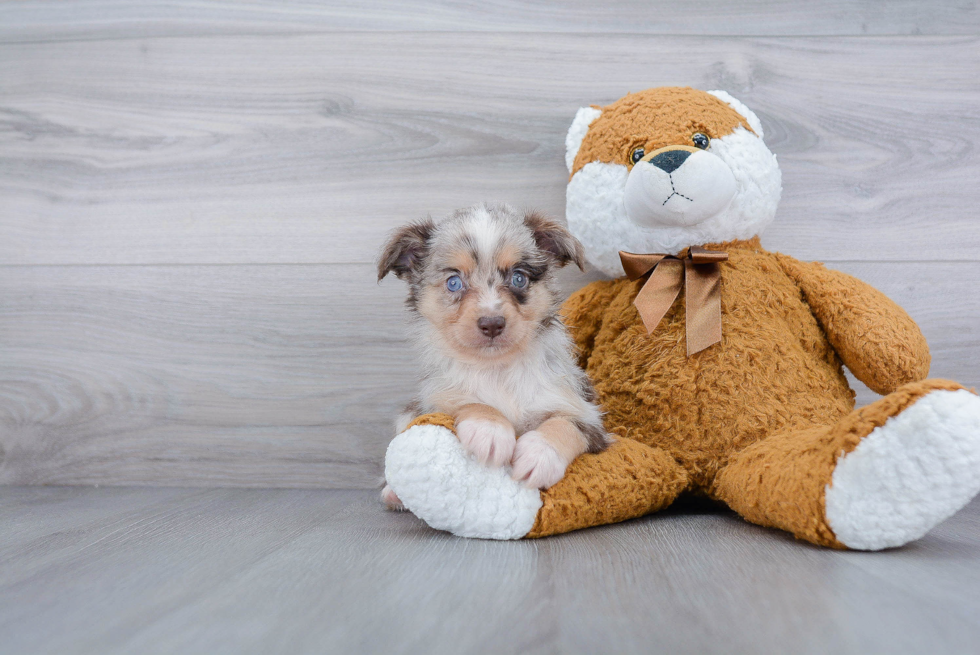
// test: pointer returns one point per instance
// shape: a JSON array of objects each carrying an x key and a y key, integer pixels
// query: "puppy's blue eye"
[
  {"x": 518, "y": 279},
  {"x": 455, "y": 283}
]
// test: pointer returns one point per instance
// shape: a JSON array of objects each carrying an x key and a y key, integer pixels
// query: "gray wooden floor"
[{"x": 143, "y": 570}]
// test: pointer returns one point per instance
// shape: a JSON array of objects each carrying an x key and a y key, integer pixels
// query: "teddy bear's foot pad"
[
  {"x": 909, "y": 474},
  {"x": 446, "y": 487}
]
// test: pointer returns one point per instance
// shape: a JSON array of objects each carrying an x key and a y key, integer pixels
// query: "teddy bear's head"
[{"x": 665, "y": 169}]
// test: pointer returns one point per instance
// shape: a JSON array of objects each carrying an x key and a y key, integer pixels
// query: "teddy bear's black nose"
[{"x": 670, "y": 160}]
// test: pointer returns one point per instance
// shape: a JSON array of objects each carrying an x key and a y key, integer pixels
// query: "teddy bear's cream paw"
[
  {"x": 437, "y": 480},
  {"x": 908, "y": 475},
  {"x": 491, "y": 442},
  {"x": 536, "y": 462}
]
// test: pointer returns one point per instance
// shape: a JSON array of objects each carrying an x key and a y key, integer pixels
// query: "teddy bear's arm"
[
  {"x": 874, "y": 337},
  {"x": 583, "y": 314}
]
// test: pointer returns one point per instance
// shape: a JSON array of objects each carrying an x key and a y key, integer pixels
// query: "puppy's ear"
[
  {"x": 406, "y": 249},
  {"x": 555, "y": 239}
]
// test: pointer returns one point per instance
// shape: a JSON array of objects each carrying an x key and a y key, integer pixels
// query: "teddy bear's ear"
[
  {"x": 405, "y": 250},
  {"x": 573, "y": 140},
  {"x": 555, "y": 239},
  {"x": 746, "y": 113}
]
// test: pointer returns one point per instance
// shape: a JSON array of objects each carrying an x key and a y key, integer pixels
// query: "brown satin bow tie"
[{"x": 699, "y": 272}]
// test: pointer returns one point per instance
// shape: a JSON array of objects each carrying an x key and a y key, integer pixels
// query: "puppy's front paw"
[
  {"x": 536, "y": 462},
  {"x": 491, "y": 441},
  {"x": 391, "y": 500}
]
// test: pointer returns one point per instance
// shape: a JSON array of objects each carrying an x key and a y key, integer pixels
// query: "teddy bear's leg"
[
  {"x": 883, "y": 476},
  {"x": 627, "y": 480},
  {"x": 439, "y": 482}
]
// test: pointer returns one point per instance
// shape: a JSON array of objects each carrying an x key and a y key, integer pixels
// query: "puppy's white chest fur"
[{"x": 533, "y": 387}]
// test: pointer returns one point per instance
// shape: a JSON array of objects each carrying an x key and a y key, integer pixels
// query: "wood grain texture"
[
  {"x": 268, "y": 376},
  {"x": 282, "y": 376},
  {"x": 313, "y": 571},
  {"x": 307, "y": 148},
  {"x": 89, "y": 19},
  {"x": 190, "y": 194}
]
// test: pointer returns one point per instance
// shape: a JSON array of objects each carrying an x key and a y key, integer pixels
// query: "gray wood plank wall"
[{"x": 191, "y": 196}]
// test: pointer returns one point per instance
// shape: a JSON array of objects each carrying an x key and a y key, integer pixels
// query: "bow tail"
[
  {"x": 659, "y": 292},
  {"x": 702, "y": 300}
]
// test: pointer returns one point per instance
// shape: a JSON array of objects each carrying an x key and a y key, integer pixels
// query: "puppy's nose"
[
  {"x": 491, "y": 325},
  {"x": 670, "y": 160}
]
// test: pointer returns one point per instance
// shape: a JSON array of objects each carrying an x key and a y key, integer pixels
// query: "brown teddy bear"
[{"x": 719, "y": 364}]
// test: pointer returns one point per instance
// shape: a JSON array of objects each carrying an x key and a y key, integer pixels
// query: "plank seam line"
[{"x": 692, "y": 35}]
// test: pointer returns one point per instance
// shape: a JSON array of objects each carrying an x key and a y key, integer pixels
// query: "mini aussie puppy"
[{"x": 495, "y": 355}]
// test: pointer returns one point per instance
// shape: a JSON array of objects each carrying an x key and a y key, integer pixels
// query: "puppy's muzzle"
[
  {"x": 678, "y": 186},
  {"x": 491, "y": 326}
]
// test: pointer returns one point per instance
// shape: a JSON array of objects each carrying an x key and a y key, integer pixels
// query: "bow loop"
[
  {"x": 699, "y": 271},
  {"x": 700, "y": 255},
  {"x": 636, "y": 266}
]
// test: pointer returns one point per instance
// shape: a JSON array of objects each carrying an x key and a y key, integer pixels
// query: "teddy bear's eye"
[
  {"x": 700, "y": 140},
  {"x": 636, "y": 154}
]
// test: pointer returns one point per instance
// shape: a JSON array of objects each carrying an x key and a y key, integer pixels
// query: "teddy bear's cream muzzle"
[{"x": 678, "y": 186}]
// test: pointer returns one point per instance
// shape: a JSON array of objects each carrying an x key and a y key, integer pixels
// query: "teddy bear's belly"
[{"x": 770, "y": 374}]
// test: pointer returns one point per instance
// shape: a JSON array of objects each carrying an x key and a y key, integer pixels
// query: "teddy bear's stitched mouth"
[{"x": 674, "y": 191}]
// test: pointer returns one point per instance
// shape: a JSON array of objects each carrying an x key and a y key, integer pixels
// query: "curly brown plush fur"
[{"x": 770, "y": 402}]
